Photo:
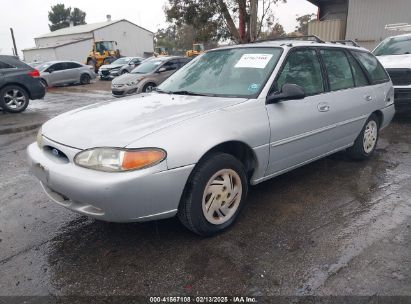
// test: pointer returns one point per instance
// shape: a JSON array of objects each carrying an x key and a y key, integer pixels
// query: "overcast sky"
[{"x": 29, "y": 18}]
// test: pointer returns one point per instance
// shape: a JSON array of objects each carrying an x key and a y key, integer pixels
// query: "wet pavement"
[{"x": 334, "y": 227}]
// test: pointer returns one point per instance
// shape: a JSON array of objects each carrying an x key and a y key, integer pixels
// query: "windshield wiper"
[
  {"x": 161, "y": 91},
  {"x": 189, "y": 93}
]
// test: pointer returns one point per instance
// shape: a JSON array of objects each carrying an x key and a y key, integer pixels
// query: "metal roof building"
[
  {"x": 74, "y": 42},
  {"x": 363, "y": 21}
]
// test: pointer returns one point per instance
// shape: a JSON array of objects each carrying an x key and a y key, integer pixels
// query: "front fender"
[{"x": 187, "y": 141}]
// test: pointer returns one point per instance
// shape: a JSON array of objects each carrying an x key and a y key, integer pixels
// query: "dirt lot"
[{"x": 334, "y": 227}]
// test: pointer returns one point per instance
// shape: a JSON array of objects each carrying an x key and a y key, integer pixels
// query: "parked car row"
[
  {"x": 148, "y": 75},
  {"x": 119, "y": 67},
  {"x": 234, "y": 116}
]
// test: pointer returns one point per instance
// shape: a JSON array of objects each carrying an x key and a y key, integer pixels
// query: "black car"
[{"x": 19, "y": 82}]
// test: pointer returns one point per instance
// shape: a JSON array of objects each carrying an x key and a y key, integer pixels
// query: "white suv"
[{"x": 394, "y": 54}]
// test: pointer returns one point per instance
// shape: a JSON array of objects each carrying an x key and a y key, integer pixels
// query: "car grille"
[
  {"x": 117, "y": 93},
  {"x": 400, "y": 76},
  {"x": 105, "y": 72}
]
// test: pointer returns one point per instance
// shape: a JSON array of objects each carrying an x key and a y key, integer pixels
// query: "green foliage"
[
  {"x": 217, "y": 20},
  {"x": 202, "y": 16},
  {"x": 274, "y": 31},
  {"x": 303, "y": 21},
  {"x": 60, "y": 17}
]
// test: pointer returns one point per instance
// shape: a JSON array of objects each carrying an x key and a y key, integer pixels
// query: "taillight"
[{"x": 34, "y": 73}]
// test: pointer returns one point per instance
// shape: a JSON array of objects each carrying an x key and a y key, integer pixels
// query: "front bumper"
[
  {"x": 124, "y": 90},
  {"x": 107, "y": 74},
  {"x": 402, "y": 97},
  {"x": 148, "y": 194}
]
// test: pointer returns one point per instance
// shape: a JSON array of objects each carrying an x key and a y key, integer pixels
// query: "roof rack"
[
  {"x": 307, "y": 37},
  {"x": 346, "y": 42}
]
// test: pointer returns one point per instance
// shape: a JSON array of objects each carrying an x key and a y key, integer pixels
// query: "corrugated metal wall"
[
  {"x": 367, "y": 19},
  {"x": 327, "y": 30}
]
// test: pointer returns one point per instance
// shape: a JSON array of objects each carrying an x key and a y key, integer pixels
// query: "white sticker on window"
[{"x": 256, "y": 61}]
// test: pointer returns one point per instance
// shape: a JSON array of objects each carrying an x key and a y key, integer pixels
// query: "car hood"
[
  {"x": 111, "y": 66},
  {"x": 395, "y": 61},
  {"x": 118, "y": 123},
  {"x": 126, "y": 78}
]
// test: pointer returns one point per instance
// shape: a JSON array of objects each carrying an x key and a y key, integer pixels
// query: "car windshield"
[
  {"x": 148, "y": 66},
  {"x": 394, "y": 46},
  {"x": 123, "y": 60},
  {"x": 43, "y": 66},
  {"x": 237, "y": 72}
]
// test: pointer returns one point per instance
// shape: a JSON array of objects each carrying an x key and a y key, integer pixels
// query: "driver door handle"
[{"x": 323, "y": 107}]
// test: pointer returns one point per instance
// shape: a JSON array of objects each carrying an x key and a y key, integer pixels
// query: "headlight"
[
  {"x": 119, "y": 160},
  {"x": 39, "y": 138},
  {"x": 134, "y": 82}
]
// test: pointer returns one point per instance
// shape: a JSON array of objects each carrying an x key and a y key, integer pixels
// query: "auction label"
[{"x": 256, "y": 61}]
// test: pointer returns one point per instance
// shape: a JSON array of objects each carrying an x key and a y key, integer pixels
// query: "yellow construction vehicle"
[
  {"x": 198, "y": 48},
  {"x": 160, "y": 51},
  {"x": 104, "y": 52}
]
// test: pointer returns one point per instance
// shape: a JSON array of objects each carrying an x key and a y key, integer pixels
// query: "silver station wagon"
[{"x": 232, "y": 117}]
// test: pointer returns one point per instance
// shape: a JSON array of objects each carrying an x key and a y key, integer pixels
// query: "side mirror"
[
  {"x": 50, "y": 71},
  {"x": 160, "y": 70},
  {"x": 289, "y": 91}
]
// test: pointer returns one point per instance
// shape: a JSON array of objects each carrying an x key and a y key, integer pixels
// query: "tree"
[
  {"x": 303, "y": 21},
  {"x": 216, "y": 20},
  {"x": 78, "y": 17},
  {"x": 276, "y": 31},
  {"x": 60, "y": 17}
]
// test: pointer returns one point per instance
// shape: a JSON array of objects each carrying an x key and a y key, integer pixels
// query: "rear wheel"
[
  {"x": 14, "y": 99},
  {"x": 149, "y": 87},
  {"x": 366, "y": 142},
  {"x": 85, "y": 79},
  {"x": 214, "y": 195}
]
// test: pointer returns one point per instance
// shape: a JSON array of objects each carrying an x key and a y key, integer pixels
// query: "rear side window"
[
  {"x": 56, "y": 67},
  {"x": 4, "y": 65},
  {"x": 373, "y": 67},
  {"x": 359, "y": 76},
  {"x": 338, "y": 69},
  {"x": 302, "y": 68},
  {"x": 72, "y": 65}
]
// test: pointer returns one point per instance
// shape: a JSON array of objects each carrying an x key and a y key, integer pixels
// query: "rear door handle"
[{"x": 323, "y": 107}]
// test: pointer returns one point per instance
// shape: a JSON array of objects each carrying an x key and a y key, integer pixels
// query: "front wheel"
[
  {"x": 85, "y": 79},
  {"x": 149, "y": 87},
  {"x": 365, "y": 144},
  {"x": 214, "y": 195},
  {"x": 14, "y": 99}
]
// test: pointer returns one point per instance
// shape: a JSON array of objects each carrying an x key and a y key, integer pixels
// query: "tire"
[
  {"x": 366, "y": 142},
  {"x": 148, "y": 87},
  {"x": 14, "y": 99},
  {"x": 85, "y": 79},
  {"x": 210, "y": 186},
  {"x": 123, "y": 72},
  {"x": 44, "y": 82}
]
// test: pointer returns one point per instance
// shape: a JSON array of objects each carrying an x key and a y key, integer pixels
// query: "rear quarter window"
[
  {"x": 338, "y": 69},
  {"x": 373, "y": 67},
  {"x": 4, "y": 65}
]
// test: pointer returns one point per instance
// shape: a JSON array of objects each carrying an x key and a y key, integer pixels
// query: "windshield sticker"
[
  {"x": 253, "y": 87},
  {"x": 256, "y": 61}
]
